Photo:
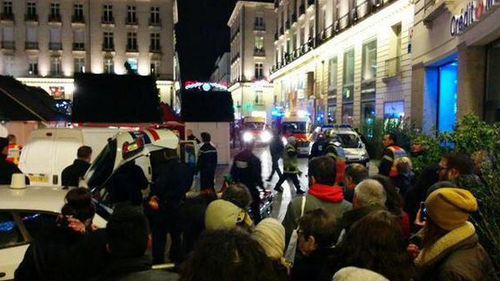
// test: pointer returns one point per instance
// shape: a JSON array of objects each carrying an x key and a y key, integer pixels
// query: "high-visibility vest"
[
  {"x": 398, "y": 152},
  {"x": 14, "y": 153}
]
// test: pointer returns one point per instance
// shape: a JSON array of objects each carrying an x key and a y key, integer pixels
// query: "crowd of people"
[{"x": 349, "y": 225}]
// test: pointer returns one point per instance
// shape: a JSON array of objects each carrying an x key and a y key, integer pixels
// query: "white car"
[{"x": 23, "y": 212}]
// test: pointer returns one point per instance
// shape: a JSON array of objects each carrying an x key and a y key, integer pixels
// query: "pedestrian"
[
  {"x": 72, "y": 174},
  {"x": 290, "y": 167},
  {"x": 335, "y": 151},
  {"x": 228, "y": 255},
  {"x": 369, "y": 196},
  {"x": 7, "y": 169},
  {"x": 207, "y": 163},
  {"x": 47, "y": 251},
  {"x": 391, "y": 153},
  {"x": 127, "y": 184},
  {"x": 239, "y": 195},
  {"x": 270, "y": 234},
  {"x": 191, "y": 137},
  {"x": 276, "y": 148},
  {"x": 167, "y": 196},
  {"x": 375, "y": 243},
  {"x": 451, "y": 248},
  {"x": 459, "y": 169},
  {"x": 247, "y": 170},
  {"x": 323, "y": 193},
  {"x": 354, "y": 174},
  {"x": 405, "y": 178},
  {"x": 394, "y": 203},
  {"x": 222, "y": 214},
  {"x": 319, "y": 146},
  {"x": 316, "y": 244}
]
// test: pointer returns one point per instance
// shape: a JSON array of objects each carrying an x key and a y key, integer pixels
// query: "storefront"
[{"x": 456, "y": 56}]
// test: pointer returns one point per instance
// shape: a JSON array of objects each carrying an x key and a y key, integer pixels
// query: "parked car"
[
  {"x": 354, "y": 148},
  {"x": 23, "y": 213}
]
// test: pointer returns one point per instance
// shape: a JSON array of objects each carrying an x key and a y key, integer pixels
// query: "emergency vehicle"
[
  {"x": 297, "y": 127},
  {"x": 255, "y": 129}
]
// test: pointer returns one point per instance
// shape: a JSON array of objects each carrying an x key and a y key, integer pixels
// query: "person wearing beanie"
[
  {"x": 353, "y": 273},
  {"x": 222, "y": 214},
  {"x": 270, "y": 235},
  {"x": 451, "y": 249},
  {"x": 7, "y": 169}
]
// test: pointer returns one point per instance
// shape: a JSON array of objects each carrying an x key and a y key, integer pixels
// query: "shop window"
[
  {"x": 369, "y": 61},
  {"x": 368, "y": 112},
  {"x": 348, "y": 76},
  {"x": 347, "y": 113},
  {"x": 332, "y": 111},
  {"x": 332, "y": 77},
  {"x": 492, "y": 102},
  {"x": 133, "y": 64},
  {"x": 448, "y": 90},
  {"x": 394, "y": 111}
]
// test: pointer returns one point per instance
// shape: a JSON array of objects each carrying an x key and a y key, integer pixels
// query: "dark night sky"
[{"x": 202, "y": 35}]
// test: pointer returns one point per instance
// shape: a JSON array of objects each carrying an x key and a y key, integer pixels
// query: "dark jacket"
[
  {"x": 173, "y": 181},
  {"x": 207, "y": 160},
  {"x": 45, "y": 254},
  {"x": 318, "y": 148},
  {"x": 313, "y": 267},
  {"x": 456, "y": 257},
  {"x": 418, "y": 193},
  {"x": 71, "y": 175},
  {"x": 276, "y": 147},
  {"x": 352, "y": 216},
  {"x": 247, "y": 169},
  {"x": 7, "y": 169},
  {"x": 127, "y": 183}
]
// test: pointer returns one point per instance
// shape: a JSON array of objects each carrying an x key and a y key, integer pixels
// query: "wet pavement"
[{"x": 281, "y": 200}]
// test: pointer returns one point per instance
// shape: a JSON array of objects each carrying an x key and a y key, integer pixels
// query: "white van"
[{"x": 48, "y": 151}]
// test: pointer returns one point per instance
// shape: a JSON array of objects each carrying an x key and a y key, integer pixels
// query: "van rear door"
[{"x": 37, "y": 159}]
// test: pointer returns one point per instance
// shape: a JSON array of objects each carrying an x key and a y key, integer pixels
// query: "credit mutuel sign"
[{"x": 471, "y": 13}]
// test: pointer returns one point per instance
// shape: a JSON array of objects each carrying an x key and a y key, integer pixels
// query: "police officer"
[
  {"x": 247, "y": 170},
  {"x": 391, "y": 153},
  {"x": 319, "y": 146},
  {"x": 290, "y": 166},
  {"x": 168, "y": 192},
  {"x": 207, "y": 162},
  {"x": 335, "y": 151}
]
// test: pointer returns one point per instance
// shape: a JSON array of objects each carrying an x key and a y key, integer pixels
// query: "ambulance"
[
  {"x": 255, "y": 129},
  {"x": 297, "y": 127}
]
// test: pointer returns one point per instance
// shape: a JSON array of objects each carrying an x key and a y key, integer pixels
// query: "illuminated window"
[
  {"x": 108, "y": 65},
  {"x": 79, "y": 65},
  {"x": 259, "y": 42}
]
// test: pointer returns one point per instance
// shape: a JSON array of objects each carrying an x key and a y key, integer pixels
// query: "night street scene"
[{"x": 221, "y": 140}]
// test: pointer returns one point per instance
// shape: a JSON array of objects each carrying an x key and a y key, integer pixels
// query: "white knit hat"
[
  {"x": 352, "y": 273},
  {"x": 270, "y": 234}
]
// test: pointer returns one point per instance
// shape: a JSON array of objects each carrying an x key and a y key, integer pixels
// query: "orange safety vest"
[
  {"x": 398, "y": 152},
  {"x": 14, "y": 153}
]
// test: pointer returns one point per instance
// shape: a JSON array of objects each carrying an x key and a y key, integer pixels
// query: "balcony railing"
[
  {"x": 108, "y": 47},
  {"x": 131, "y": 21},
  {"x": 78, "y": 19},
  {"x": 132, "y": 48},
  {"x": 31, "y": 17},
  {"x": 393, "y": 67},
  {"x": 7, "y": 16},
  {"x": 155, "y": 49},
  {"x": 55, "y": 18},
  {"x": 108, "y": 20},
  {"x": 154, "y": 22},
  {"x": 359, "y": 13},
  {"x": 259, "y": 27},
  {"x": 259, "y": 52},
  {"x": 78, "y": 46},
  {"x": 55, "y": 46},
  {"x": 31, "y": 45},
  {"x": 8, "y": 45}
]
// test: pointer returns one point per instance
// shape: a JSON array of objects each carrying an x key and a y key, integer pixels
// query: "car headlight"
[
  {"x": 266, "y": 136},
  {"x": 247, "y": 137}
]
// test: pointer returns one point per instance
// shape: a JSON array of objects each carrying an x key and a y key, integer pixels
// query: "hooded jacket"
[
  {"x": 330, "y": 198},
  {"x": 456, "y": 256}
]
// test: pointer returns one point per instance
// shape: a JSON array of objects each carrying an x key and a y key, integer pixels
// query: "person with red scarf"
[{"x": 323, "y": 193}]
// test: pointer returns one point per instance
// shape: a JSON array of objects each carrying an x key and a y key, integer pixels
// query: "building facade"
[
  {"x": 344, "y": 61},
  {"x": 44, "y": 42},
  {"x": 456, "y": 62},
  {"x": 252, "y": 26},
  {"x": 222, "y": 71}
]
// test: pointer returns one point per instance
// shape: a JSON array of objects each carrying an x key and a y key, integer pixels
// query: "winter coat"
[
  {"x": 330, "y": 198},
  {"x": 174, "y": 180},
  {"x": 207, "y": 160},
  {"x": 247, "y": 169},
  {"x": 290, "y": 161},
  {"x": 314, "y": 267},
  {"x": 276, "y": 148},
  {"x": 457, "y": 256},
  {"x": 350, "y": 217},
  {"x": 71, "y": 175}
]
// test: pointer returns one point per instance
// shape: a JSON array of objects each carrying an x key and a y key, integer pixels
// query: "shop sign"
[{"x": 468, "y": 15}]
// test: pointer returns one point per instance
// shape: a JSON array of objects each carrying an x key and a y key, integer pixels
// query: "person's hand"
[
  {"x": 76, "y": 225},
  {"x": 413, "y": 250},
  {"x": 418, "y": 219}
]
